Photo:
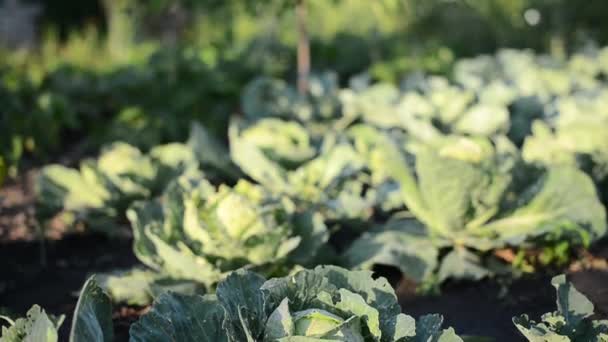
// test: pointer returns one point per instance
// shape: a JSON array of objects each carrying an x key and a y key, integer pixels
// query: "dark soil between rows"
[
  {"x": 25, "y": 281},
  {"x": 472, "y": 308}
]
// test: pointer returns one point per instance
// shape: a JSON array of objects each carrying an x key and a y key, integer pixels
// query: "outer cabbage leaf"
[
  {"x": 285, "y": 142},
  {"x": 375, "y": 104},
  {"x": 130, "y": 171},
  {"x": 255, "y": 163},
  {"x": 176, "y": 317},
  {"x": 484, "y": 120},
  {"x": 563, "y": 200},
  {"x": 58, "y": 187},
  {"x": 211, "y": 153},
  {"x": 37, "y": 326},
  {"x": 571, "y": 321},
  {"x": 140, "y": 286},
  {"x": 171, "y": 160},
  {"x": 450, "y": 102},
  {"x": 92, "y": 320},
  {"x": 401, "y": 243}
]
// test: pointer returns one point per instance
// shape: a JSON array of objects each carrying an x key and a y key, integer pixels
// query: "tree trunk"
[{"x": 303, "y": 47}]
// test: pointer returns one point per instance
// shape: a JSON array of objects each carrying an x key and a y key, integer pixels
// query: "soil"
[
  {"x": 17, "y": 208},
  {"x": 26, "y": 280},
  {"x": 483, "y": 308}
]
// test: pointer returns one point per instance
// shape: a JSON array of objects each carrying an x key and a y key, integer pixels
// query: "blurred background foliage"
[{"x": 87, "y": 72}]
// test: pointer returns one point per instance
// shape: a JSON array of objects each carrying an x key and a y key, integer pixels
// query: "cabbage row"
[{"x": 327, "y": 303}]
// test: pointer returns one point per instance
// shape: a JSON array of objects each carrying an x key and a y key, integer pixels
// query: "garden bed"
[{"x": 72, "y": 258}]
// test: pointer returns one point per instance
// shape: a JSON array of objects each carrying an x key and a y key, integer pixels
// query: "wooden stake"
[{"x": 303, "y": 47}]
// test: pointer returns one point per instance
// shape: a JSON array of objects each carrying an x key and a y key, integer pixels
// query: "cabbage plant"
[
  {"x": 327, "y": 303},
  {"x": 92, "y": 321},
  {"x": 426, "y": 110},
  {"x": 287, "y": 143},
  {"x": 36, "y": 326},
  {"x": 345, "y": 181},
  {"x": 195, "y": 234},
  {"x": 267, "y": 97},
  {"x": 332, "y": 182},
  {"x": 529, "y": 75},
  {"x": 469, "y": 196},
  {"x": 577, "y": 136},
  {"x": 571, "y": 322},
  {"x": 530, "y": 85},
  {"x": 102, "y": 189}
]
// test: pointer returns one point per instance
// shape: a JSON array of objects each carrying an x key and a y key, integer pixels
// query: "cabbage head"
[
  {"x": 197, "y": 234},
  {"x": 327, "y": 303}
]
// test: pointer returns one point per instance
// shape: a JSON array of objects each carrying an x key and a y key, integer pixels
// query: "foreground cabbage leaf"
[
  {"x": 36, "y": 326},
  {"x": 325, "y": 304},
  {"x": 196, "y": 234},
  {"x": 469, "y": 196},
  {"x": 92, "y": 321},
  {"x": 570, "y": 323}
]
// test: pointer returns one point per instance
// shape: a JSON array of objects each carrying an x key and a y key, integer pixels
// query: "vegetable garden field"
[{"x": 247, "y": 188}]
